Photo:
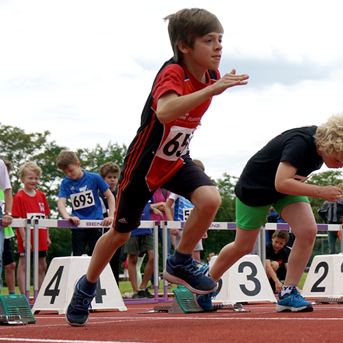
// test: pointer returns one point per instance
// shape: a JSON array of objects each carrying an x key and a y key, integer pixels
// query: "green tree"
[
  {"x": 92, "y": 159},
  {"x": 20, "y": 147},
  {"x": 327, "y": 178},
  {"x": 226, "y": 213}
]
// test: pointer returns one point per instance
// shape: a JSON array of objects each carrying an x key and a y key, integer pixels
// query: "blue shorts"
[{"x": 253, "y": 217}]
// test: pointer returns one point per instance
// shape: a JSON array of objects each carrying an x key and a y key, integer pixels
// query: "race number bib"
[
  {"x": 82, "y": 200},
  {"x": 176, "y": 142},
  {"x": 186, "y": 213}
]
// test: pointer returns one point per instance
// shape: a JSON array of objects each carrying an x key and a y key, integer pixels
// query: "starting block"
[
  {"x": 245, "y": 281},
  {"x": 59, "y": 283},
  {"x": 15, "y": 309},
  {"x": 325, "y": 278},
  {"x": 184, "y": 302}
]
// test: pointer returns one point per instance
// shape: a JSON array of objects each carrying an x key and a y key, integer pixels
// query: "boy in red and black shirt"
[{"x": 181, "y": 93}]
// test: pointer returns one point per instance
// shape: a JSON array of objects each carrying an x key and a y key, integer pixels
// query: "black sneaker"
[
  {"x": 139, "y": 295},
  {"x": 190, "y": 276},
  {"x": 78, "y": 309},
  {"x": 147, "y": 294}
]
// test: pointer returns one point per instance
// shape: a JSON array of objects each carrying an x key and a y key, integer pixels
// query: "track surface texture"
[{"x": 261, "y": 324}]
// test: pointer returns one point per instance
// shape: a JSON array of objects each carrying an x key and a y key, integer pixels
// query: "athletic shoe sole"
[
  {"x": 174, "y": 279},
  {"x": 280, "y": 308}
]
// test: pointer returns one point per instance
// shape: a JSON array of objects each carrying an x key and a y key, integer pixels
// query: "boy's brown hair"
[
  {"x": 199, "y": 164},
  {"x": 29, "y": 166},
  {"x": 281, "y": 234},
  {"x": 65, "y": 158},
  {"x": 187, "y": 24},
  {"x": 109, "y": 167}
]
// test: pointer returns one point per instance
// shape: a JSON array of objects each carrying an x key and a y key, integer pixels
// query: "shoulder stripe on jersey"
[{"x": 137, "y": 151}]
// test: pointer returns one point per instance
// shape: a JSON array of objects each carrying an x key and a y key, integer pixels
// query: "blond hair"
[
  {"x": 329, "y": 136},
  {"x": 29, "y": 166},
  {"x": 109, "y": 167},
  {"x": 188, "y": 24},
  {"x": 65, "y": 158}
]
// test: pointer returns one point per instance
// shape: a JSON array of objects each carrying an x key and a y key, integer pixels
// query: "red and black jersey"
[{"x": 155, "y": 153}]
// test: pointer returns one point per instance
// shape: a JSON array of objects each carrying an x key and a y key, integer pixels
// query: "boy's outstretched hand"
[
  {"x": 331, "y": 193},
  {"x": 229, "y": 80}
]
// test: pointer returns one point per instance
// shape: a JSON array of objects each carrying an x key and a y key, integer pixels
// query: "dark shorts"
[
  {"x": 139, "y": 244},
  {"x": 83, "y": 240},
  {"x": 132, "y": 200},
  {"x": 7, "y": 255},
  {"x": 41, "y": 254}
]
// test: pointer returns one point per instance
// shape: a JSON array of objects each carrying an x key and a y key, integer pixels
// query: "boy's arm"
[
  {"x": 23, "y": 236},
  {"x": 171, "y": 106},
  {"x": 61, "y": 205},
  {"x": 285, "y": 183},
  {"x": 271, "y": 274},
  {"x": 156, "y": 208},
  {"x": 169, "y": 213},
  {"x": 111, "y": 207},
  {"x": 7, "y": 218}
]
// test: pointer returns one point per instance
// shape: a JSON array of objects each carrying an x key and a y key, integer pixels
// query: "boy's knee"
[
  {"x": 275, "y": 265},
  {"x": 210, "y": 202},
  {"x": 10, "y": 267}
]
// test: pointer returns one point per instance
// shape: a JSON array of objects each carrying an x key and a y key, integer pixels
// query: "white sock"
[{"x": 286, "y": 290}]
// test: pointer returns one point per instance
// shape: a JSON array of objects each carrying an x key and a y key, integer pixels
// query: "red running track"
[{"x": 261, "y": 324}]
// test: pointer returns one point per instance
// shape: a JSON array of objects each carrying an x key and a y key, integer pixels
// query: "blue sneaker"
[
  {"x": 205, "y": 301},
  {"x": 293, "y": 302},
  {"x": 78, "y": 309},
  {"x": 190, "y": 276}
]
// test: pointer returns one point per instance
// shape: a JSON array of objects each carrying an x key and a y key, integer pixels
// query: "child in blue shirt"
[{"x": 82, "y": 188}]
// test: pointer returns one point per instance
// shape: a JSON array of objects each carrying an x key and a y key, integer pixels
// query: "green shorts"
[
  {"x": 253, "y": 217},
  {"x": 139, "y": 244}
]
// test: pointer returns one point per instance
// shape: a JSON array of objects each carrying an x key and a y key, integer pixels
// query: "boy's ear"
[
  {"x": 183, "y": 47},
  {"x": 79, "y": 164}
]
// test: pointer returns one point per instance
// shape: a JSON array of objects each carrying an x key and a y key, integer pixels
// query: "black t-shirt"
[
  {"x": 281, "y": 256},
  {"x": 256, "y": 185}
]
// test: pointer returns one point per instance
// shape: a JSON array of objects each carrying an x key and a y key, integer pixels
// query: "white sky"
[{"x": 83, "y": 70}]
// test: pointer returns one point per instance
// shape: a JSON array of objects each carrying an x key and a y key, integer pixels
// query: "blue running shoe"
[
  {"x": 293, "y": 302},
  {"x": 78, "y": 309},
  {"x": 205, "y": 301},
  {"x": 190, "y": 276}
]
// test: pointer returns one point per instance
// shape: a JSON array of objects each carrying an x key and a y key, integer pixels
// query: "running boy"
[
  {"x": 274, "y": 176},
  {"x": 31, "y": 203},
  {"x": 83, "y": 189},
  {"x": 181, "y": 93}
]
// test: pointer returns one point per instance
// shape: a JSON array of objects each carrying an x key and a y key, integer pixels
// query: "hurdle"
[
  {"x": 64, "y": 223},
  {"x": 165, "y": 225}
]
